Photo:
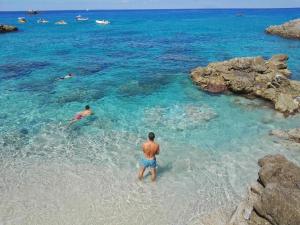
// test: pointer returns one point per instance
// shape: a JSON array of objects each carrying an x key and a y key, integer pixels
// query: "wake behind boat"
[
  {"x": 103, "y": 22},
  {"x": 42, "y": 21}
]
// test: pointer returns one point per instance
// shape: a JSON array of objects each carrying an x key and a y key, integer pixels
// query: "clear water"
[{"x": 134, "y": 73}]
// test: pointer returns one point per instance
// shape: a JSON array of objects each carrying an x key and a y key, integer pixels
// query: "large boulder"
[
  {"x": 255, "y": 77},
  {"x": 7, "y": 28},
  {"x": 289, "y": 29},
  {"x": 275, "y": 198}
]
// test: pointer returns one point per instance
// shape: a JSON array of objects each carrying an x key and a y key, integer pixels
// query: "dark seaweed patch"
[
  {"x": 145, "y": 85},
  {"x": 122, "y": 54},
  {"x": 158, "y": 79},
  {"x": 130, "y": 90},
  {"x": 3, "y": 116},
  {"x": 82, "y": 96},
  {"x": 62, "y": 52},
  {"x": 89, "y": 70},
  {"x": 93, "y": 68},
  {"x": 35, "y": 86},
  {"x": 20, "y": 69},
  {"x": 178, "y": 57}
]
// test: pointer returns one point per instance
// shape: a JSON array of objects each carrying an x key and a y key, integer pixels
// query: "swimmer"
[
  {"x": 86, "y": 112},
  {"x": 70, "y": 75},
  {"x": 150, "y": 149}
]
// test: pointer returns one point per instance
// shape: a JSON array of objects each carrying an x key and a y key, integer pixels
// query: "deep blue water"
[{"x": 134, "y": 73}]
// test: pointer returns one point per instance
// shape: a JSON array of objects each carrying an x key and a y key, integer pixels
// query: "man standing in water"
[{"x": 150, "y": 149}]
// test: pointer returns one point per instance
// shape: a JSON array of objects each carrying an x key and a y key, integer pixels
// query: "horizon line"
[{"x": 144, "y": 9}]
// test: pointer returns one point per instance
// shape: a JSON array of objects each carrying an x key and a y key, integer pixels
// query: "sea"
[{"x": 135, "y": 75}]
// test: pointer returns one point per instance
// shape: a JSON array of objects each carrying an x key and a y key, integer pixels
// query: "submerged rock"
[
  {"x": 292, "y": 134},
  {"x": 180, "y": 117},
  {"x": 275, "y": 198},
  {"x": 253, "y": 77},
  {"x": 7, "y": 28},
  {"x": 24, "y": 131},
  {"x": 289, "y": 29}
]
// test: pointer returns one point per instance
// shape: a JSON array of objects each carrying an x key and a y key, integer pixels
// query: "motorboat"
[
  {"x": 32, "y": 12},
  {"x": 22, "y": 20},
  {"x": 42, "y": 21},
  {"x": 61, "y": 22},
  {"x": 102, "y": 22},
  {"x": 80, "y": 18}
]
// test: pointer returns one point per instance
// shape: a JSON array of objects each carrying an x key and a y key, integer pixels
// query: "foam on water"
[{"x": 134, "y": 74}]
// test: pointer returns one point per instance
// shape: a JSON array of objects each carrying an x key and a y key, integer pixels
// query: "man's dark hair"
[
  {"x": 87, "y": 107},
  {"x": 151, "y": 136}
]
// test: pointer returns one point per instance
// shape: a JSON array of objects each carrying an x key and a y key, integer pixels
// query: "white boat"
[
  {"x": 61, "y": 22},
  {"x": 80, "y": 18},
  {"x": 22, "y": 20},
  {"x": 102, "y": 22},
  {"x": 42, "y": 21}
]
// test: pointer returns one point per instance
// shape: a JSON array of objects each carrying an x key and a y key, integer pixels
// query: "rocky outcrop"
[
  {"x": 275, "y": 198},
  {"x": 254, "y": 77},
  {"x": 289, "y": 29},
  {"x": 292, "y": 134},
  {"x": 7, "y": 28}
]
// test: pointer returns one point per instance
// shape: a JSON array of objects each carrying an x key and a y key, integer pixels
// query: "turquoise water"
[{"x": 134, "y": 73}]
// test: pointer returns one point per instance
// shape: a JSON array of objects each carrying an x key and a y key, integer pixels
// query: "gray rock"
[
  {"x": 292, "y": 134},
  {"x": 275, "y": 199},
  {"x": 255, "y": 77},
  {"x": 277, "y": 169},
  {"x": 279, "y": 205},
  {"x": 7, "y": 28},
  {"x": 289, "y": 29}
]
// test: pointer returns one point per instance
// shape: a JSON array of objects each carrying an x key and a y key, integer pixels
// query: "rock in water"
[
  {"x": 292, "y": 134},
  {"x": 289, "y": 29},
  {"x": 7, "y": 28},
  {"x": 255, "y": 77}
]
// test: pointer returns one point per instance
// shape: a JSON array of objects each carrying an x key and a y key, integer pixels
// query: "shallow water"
[{"x": 134, "y": 75}]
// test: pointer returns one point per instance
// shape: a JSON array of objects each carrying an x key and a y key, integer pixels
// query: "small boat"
[
  {"x": 80, "y": 18},
  {"x": 61, "y": 22},
  {"x": 42, "y": 21},
  {"x": 32, "y": 12},
  {"x": 22, "y": 20},
  {"x": 102, "y": 22}
]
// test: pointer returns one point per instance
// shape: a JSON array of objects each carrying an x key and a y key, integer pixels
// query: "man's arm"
[
  {"x": 158, "y": 150},
  {"x": 143, "y": 147}
]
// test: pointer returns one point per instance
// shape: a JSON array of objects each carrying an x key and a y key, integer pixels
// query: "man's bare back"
[{"x": 150, "y": 149}]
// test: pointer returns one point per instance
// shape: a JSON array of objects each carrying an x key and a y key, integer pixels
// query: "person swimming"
[
  {"x": 70, "y": 75},
  {"x": 150, "y": 149},
  {"x": 86, "y": 112}
]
